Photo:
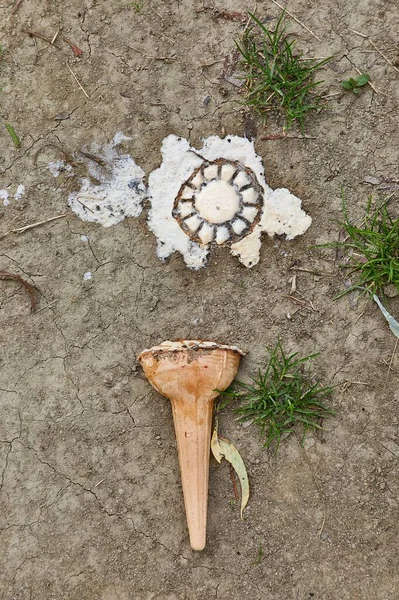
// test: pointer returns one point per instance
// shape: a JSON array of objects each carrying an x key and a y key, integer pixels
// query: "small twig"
[
  {"x": 40, "y": 36},
  {"x": 211, "y": 63},
  {"x": 305, "y": 303},
  {"x": 366, "y": 37},
  {"x": 32, "y": 225},
  {"x": 388, "y": 450},
  {"x": 16, "y": 6},
  {"x": 320, "y": 273},
  {"x": 293, "y": 284},
  {"x": 96, "y": 159},
  {"x": 248, "y": 23},
  {"x": 152, "y": 57},
  {"x": 29, "y": 288},
  {"x": 297, "y": 20},
  {"x": 77, "y": 81},
  {"x": 55, "y": 36},
  {"x": 84, "y": 205},
  {"x": 47, "y": 306},
  {"x": 283, "y": 134}
]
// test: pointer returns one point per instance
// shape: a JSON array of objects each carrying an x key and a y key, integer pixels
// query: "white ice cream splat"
[
  {"x": 20, "y": 192},
  {"x": 121, "y": 189},
  {"x": 217, "y": 195},
  {"x": 4, "y": 197}
]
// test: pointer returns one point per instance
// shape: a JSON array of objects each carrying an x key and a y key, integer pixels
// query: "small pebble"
[
  {"x": 62, "y": 117},
  {"x": 391, "y": 291}
]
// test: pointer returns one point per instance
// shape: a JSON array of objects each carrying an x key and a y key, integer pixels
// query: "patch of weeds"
[
  {"x": 137, "y": 6},
  {"x": 372, "y": 249},
  {"x": 276, "y": 75},
  {"x": 354, "y": 84},
  {"x": 259, "y": 557},
  {"x": 281, "y": 397}
]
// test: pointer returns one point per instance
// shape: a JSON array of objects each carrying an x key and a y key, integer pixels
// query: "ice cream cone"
[{"x": 191, "y": 374}]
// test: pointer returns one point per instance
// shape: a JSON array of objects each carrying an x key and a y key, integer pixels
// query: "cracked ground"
[{"x": 90, "y": 499}]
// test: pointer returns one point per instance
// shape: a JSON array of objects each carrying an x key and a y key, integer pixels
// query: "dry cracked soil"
[{"x": 91, "y": 504}]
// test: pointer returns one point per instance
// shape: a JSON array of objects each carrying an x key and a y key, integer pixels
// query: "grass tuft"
[
  {"x": 281, "y": 397},
  {"x": 13, "y": 135},
  {"x": 278, "y": 76},
  {"x": 372, "y": 249}
]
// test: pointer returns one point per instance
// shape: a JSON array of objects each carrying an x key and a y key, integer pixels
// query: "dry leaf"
[{"x": 222, "y": 448}]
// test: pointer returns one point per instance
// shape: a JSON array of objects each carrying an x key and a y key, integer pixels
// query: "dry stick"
[
  {"x": 28, "y": 287},
  {"x": 78, "y": 82},
  {"x": 247, "y": 24},
  {"x": 322, "y": 273},
  {"x": 40, "y": 36},
  {"x": 84, "y": 205},
  {"x": 366, "y": 37},
  {"x": 297, "y": 20},
  {"x": 47, "y": 306},
  {"x": 32, "y": 225},
  {"x": 281, "y": 135},
  {"x": 16, "y": 6},
  {"x": 55, "y": 36}
]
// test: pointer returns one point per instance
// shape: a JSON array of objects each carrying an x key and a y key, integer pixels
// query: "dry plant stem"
[
  {"x": 32, "y": 225},
  {"x": 16, "y": 6},
  {"x": 366, "y": 37},
  {"x": 297, "y": 20},
  {"x": 77, "y": 81},
  {"x": 281, "y": 135},
  {"x": 40, "y": 36},
  {"x": 29, "y": 288},
  {"x": 47, "y": 306},
  {"x": 55, "y": 36}
]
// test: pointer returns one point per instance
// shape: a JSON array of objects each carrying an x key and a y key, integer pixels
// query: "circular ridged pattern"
[{"x": 221, "y": 202}]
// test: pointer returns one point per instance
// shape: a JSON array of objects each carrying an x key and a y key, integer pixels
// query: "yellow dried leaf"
[{"x": 223, "y": 448}]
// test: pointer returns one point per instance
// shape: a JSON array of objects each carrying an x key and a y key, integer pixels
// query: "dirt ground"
[{"x": 91, "y": 504}]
